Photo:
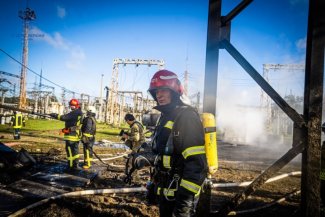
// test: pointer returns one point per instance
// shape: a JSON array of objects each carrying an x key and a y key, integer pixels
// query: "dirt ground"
[{"x": 237, "y": 163}]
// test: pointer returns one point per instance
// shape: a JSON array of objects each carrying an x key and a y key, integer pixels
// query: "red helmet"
[
  {"x": 165, "y": 79},
  {"x": 74, "y": 102}
]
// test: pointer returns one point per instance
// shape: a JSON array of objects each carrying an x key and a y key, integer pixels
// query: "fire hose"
[
  {"x": 242, "y": 184},
  {"x": 111, "y": 158},
  {"x": 143, "y": 189},
  {"x": 233, "y": 213},
  {"x": 137, "y": 159},
  {"x": 78, "y": 193}
]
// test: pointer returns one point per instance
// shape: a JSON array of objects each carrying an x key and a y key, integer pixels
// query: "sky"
[{"x": 73, "y": 43}]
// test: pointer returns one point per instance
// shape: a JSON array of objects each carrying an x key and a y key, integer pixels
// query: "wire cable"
[{"x": 11, "y": 57}]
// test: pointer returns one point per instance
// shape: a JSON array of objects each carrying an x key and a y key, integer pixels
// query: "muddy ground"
[{"x": 237, "y": 163}]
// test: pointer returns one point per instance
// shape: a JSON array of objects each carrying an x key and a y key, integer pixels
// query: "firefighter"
[
  {"x": 25, "y": 118},
  {"x": 178, "y": 141},
  {"x": 16, "y": 122},
  {"x": 88, "y": 131},
  {"x": 71, "y": 132},
  {"x": 135, "y": 137}
]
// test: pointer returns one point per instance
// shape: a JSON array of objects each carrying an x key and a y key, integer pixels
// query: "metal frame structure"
[
  {"x": 112, "y": 109},
  {"x": 307, "y": 127},
  {"x": 265, "y": 101},
  {"x": 4, "y": 90}
]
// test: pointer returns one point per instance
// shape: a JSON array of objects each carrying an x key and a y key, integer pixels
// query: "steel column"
[
  {"x": 212, "y": 57},
  {"x": 313, "y": 100}
]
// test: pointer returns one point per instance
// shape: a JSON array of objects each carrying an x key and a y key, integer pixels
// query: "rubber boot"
[
  {"x": 87, "y": 164},
  {"x": 75, "y": 165}
]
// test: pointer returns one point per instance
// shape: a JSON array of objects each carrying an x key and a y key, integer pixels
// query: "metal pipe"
[
  {"x": 78, "y": 194},
  {"x": 242, "y": 184}
]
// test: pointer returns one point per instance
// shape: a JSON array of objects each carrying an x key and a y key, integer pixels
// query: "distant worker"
[
  {"x": 88, "y": 131},
  {"x": 71, "y": 132},
  {"x": 24, "y": 120},
  {"x": 322, "y": 170},
  {"x": 16, "y": 122},
  {"x": 135, "y": 136},
  {"x": 178, "y": 140}
]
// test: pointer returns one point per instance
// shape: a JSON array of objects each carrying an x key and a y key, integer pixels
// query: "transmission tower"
[
  {"x": 265, "y": 101},
  {"x": 186, "y": 77},
  {"x": 27, "y": 16},
  {"x": 114, "y": 82},
  {"x": 63, "y": 97},
  {"x": 186, "y": 83}
]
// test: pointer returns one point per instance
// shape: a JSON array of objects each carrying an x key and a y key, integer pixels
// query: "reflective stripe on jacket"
[
  {"x": 17, "y": 121},
  {"x": 72, "y": 123}
]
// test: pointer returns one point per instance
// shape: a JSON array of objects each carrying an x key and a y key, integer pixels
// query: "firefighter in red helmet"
[
  {"x": 71, "y": 132},
  {"x": 178, "y": 141}
]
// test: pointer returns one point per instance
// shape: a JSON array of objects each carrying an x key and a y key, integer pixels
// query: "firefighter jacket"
[
  {"x": 179, "y": 143},
  {"x": 72, "y": 125},
  {"x": 88, "y": 127},
  {"x": 17, "y": 121},
  {"x": 135, "y": 136}
]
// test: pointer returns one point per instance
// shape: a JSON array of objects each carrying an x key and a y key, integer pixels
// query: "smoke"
[
  {"x": 241, "y": 119},
  {"x": 238, "y": 121}
]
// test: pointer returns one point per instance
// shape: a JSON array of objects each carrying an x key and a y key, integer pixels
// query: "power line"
[{"x": 39, "y": 74}]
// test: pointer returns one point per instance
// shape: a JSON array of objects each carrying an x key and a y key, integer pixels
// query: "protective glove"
[
  {"x": 54, "y": 115},
  {"x": 137, "y": 161},
  {"x": 143, "y": 159}
]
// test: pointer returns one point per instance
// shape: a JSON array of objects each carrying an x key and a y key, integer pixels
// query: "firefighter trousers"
[
  {"x": 183, "y": 206},
  {"x": 72, "y": 150},
  {"x": 16, "y": 133},
  {"x": 88, "y": 150}
]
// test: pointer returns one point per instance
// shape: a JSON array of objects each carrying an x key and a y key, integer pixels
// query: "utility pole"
[
  {"x": 63, "y": 96},
  {"x": 27, "y": 16},
  {"x": 106, "y": 103},
  {"x": 186, "y": 83},
  {"x": 100, "y": 99},
  {"x": 186, "y": 77}
]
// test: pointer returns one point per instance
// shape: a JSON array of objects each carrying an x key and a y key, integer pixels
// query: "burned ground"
[{"x": 237, "y": 163}]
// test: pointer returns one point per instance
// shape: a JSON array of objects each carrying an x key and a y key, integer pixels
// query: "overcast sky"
[{"x": 74, "y": 42}]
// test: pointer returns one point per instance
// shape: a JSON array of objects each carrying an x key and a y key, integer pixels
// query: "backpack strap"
[
  {"x": 139, "y": 124},
  {"x": 169, "y": 150},
  {"x": 93, "y": 125}
]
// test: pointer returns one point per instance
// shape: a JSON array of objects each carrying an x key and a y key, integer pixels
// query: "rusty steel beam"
[
  {"x": 313, "y": 100},
  {"x": 212, "y": 57},
  {"x": 295, "y": 117},
  {"x": 261, "y": 179},
  {"x": 241, "y": 6}
]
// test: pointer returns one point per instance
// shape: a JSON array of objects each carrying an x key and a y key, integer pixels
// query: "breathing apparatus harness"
[
  {"x": 174, "y": 171},
  {"x": 140, "y": 159}
]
